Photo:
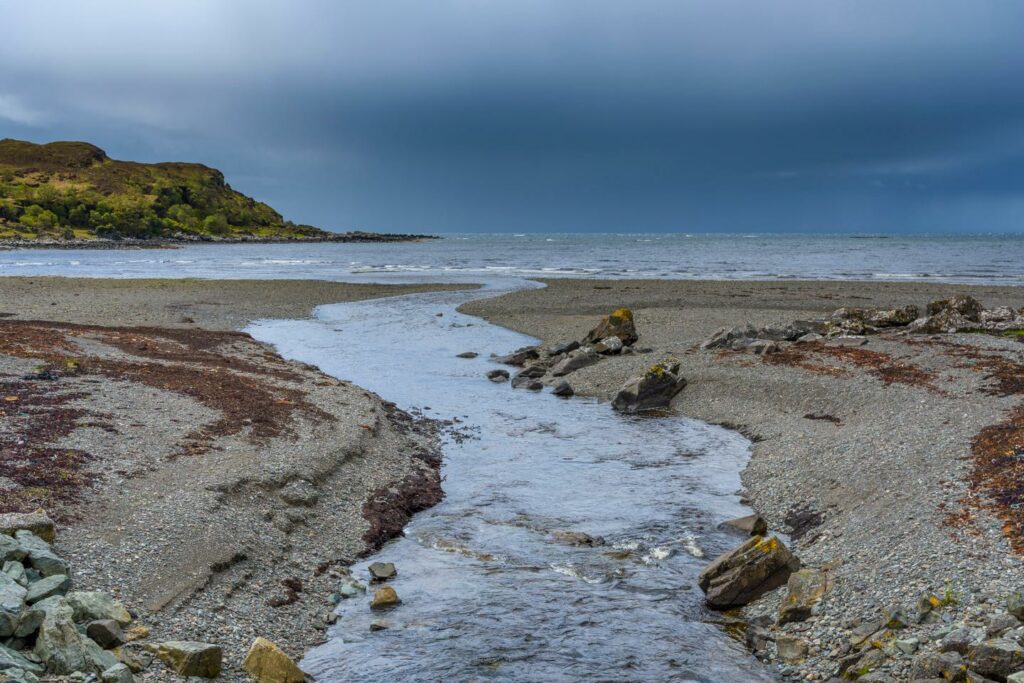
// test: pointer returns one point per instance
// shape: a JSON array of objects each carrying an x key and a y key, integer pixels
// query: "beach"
[
  {"x": 220, "y": 491},
  {"x": 869, "y": 462},
  {"x": 214, "y": 488}
]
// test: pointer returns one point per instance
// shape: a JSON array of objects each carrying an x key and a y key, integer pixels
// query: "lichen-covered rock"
[
  {"x": 384, "y": 598},
  {"x": 967, "y": 306},
  {"x": 191, "y": 658},
  {"x": 996, "y": 658},
  {"x": 94, "y": 606},
  {"x": 893, "y": 317},
  {"x": 618, "y": 324},
  {"x": 654, "y": 389},
  {"x": 38, "y": 523},
  {"x": 744, "y": 574},
  {"x": 266, "y": 663},
  {"x": 805, "y": 588}
]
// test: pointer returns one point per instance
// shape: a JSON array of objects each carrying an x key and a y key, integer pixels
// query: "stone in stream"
[
  {"x": 382, "y": 571},
  {"x": 384, "y": 598},
  {"x": 563, "y": 390},
  {"x": 618, "y": 324},
  {"x": 267, "y": 663},
  {"x": 526, "y": 377},
  {"x": 739, "y": 577},
  {"x": 654, "y": 389},
  {"x": 520, "y": 356},
  {"x": 805, "y": 588},
  {"x": 751, "y": 525},
  {"x": 498, "y": 375},
  {"x": 350, "y": 588},
  {"x": 578, "y": 538},
  {"x": 190, "y": 658},
  {"x": 580, "y": 358},
  {"x": 38, "y": 523},
  {"x": 467, "y": 354}
]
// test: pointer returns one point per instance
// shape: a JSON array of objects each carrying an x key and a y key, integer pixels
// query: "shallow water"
[{"x": 487, "y": 593}]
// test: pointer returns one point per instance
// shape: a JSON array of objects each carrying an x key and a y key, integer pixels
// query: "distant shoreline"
[{"x": 177, "y": 242}]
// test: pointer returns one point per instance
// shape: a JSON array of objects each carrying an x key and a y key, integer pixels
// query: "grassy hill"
[{"x": 73, "y": 190}]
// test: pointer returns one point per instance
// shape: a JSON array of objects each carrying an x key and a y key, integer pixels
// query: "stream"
[{"x": 488, "y": 594}]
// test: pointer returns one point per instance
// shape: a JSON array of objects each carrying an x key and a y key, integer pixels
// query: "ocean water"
[{"x": 963, "y": 259}]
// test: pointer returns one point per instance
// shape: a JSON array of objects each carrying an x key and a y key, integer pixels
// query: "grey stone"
[
  {"x": 10, "y": 549},
  {"x": 106, "y": 633},
  {"x": 351, "y": 588},
  {"x": 94, "y": 605},
  {"x": 189, "y": 658},
  {"x": 809, "y": 338},
  {"x": 1001, "y": 623},
  {"x": 12, "y": 659},
  {"x": 580, "y": 358},
  {"x": 520, "y": 356},
  {"x": 907, "y": 646},
  {"x": 608, "y": 346},
  {"x": 65, "y": 650},
  {"x": 563, "y": 389},
  {"x": 12, "y": 598},
  {"x": 57, "y": 584},
  {"x": 1015, "y": 606},
  {"x": 792, "y": 649},
  {"x": 619, "y": 323},
  {"x": 119, "y": 673},
  {"x": 654, "y": 389},
  {"x": 29, "y": 622},
  {"x": 947, "y": 665},
  {"x": 959, "y": 640},
  {"x": 498, "y": 375},
  {"x": 40, "y": 556},
  {"x": 16, "y": 570},
  {"x": 995, "y": 658},
  {"x": 564, "y": 347},
  {"x": 751, "y": 525},
  {"x": 299, "y": 493},
  {"x": 382, "y": 571},
  {"x": 38, "y": 523},
  {"x": 467, "y": 354}
]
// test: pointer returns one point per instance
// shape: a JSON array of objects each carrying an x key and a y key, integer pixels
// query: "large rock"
[
  {"x": 805, "y": 589},
  {"x": 10, "y": 550},
  {"x": 751, "y": 525},
  {"x": 382, "y": 571},
  {"x": 64, "y": 650},
  {"x": 190, "y": 658},
  {"x": 39, "y": 554},
  {"x": 95, "y": 606},
  {"x": 12, "y": 659},
  {"x": 967, "y": 306},
  {"x": 608, "y": 346},
  {"x": 38, "y": 522},
  {"x": 498, "y": 375},
  {"x": 740, "y": 576},
  {"x": 520, "y": 356},
  {"x": 996, "y": 658},
  {"x": 727, "y": 338},
  {"x": 12, "y": 599},
  {"x": 119, "y": 673},
  {"x": 106, "y": 633},
  {"x": 618, "y": 324},
  {"x": 266, "y": 663},
  {"x": 57, "y": 584},
  {"x": 654, "y": 389},
  {"x": 384, "y": 598},
  {"x": 580, "y": 358},
  {"x": 893, "y": 317}
]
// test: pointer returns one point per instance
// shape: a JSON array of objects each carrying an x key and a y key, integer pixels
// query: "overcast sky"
[{"x": 549, "y": 115}]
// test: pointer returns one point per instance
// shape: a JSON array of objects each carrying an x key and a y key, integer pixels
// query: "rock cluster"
[
  {"x": 614, "y": 335},
  {"x": 48, "y": 630},
  {"x": 955, "y": 314}
]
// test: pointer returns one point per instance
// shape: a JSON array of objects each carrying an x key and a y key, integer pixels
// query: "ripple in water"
[{"x": 489, "y": 593}]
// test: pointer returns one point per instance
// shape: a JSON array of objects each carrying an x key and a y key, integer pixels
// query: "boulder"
[
  {"x": 94, "y": 606},
  {"x": 47, "y": 587},
  {"x": 996, "y": 658},
  {"x": 805, "y": 588},
  {"x": 16, "y": 571},
  {"x": 119, "y": 673},
  {"x": 1001, "y": 314},
  {"x": 726, "y": 337},
  {"x": 943, "y": 322},
  {"x": 12, "y": 659},
  {"x": 190, "y": 658},
  {"x": 563, "y": 389},
  {"x": 1015, "y": 605},
  {"x": 947, "y": 665},
  {"x": 1000, "y": 623},
  {"x": 133, "y": 656},
  {"x": 267, "y": 663},
  {"x": 959, "y": 640},
  {"x": 654, "y": 389},
  {"x": 106, "y": 633},
  {"x": 384, "y": 598},
  {"x": 564, "y": 347},
  {"x": 498, "y": 375},
  {"x": 12, "y": 599},
  {"x": 10, "y": 550},
  {"x": 39, "y": 554},
  {"x": 38, "y": 523},
  {"x": 608, "y": 346},
  {"x": 382, "y": 571},
  {"x": 29, "y": 622},
  {"x": 893, "y": 317},
  {"x": 580, "y": 358},
  {"x": 751, "y": 525},
  {"x": 464, "y": 354},
  {"x": 520, "y": 356},
  {"x": 64, "y": 650},
  {"x": 966, "y": 306},
  {"x": 739, "y": 577},
  {"x": 618, "y": 324}
]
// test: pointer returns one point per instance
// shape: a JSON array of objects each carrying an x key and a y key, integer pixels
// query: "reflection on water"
[{"x": 489, "y": 590}]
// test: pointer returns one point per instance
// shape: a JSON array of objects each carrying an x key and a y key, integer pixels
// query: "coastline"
[
  {"x": 214, "y": 488},
  {"x": 177, "y": 242},
  {"x": 870, "y": 478}
]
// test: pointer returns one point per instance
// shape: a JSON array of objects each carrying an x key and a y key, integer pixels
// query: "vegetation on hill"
[{"x": 73, "y": 190}]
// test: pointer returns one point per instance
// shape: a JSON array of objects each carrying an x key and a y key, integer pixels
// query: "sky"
[{"x": 867, "y": 116}]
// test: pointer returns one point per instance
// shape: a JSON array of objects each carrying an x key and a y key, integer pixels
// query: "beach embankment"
[
  {"x": 215, "y": 489},
  {"x": 890, "y": 464}
]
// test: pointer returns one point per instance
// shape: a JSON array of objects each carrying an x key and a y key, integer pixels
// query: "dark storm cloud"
[{"x": 472, "y": 115}]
